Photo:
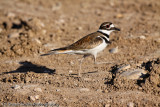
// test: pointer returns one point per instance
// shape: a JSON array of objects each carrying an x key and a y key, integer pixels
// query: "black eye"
[{"x": 107, "y": 26}]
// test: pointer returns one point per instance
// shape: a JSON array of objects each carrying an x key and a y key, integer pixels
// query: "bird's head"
[{"x": 108, "y": 27}]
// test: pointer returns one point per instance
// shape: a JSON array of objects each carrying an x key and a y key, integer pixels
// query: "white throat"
[{"x": 105, "y": 31}]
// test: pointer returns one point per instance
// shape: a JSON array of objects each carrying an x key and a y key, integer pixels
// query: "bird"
[{"x": 89, "y": 45}]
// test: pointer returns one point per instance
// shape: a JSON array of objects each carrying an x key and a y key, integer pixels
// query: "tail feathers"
[
  {"x": 50, "y": 53},
  {"x": 57, "y": 51}
]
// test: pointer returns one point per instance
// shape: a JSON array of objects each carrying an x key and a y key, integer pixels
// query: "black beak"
[{"x": 114, "y": 28}]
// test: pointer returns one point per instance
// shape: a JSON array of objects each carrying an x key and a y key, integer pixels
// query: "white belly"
[{"x": 92, "y": 51}]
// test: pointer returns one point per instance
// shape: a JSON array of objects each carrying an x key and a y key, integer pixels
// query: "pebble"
[
  {"x": 11, "y": 15},
  {"x": 70, "y": 71},
  {"x": 142, "y": 37},
  {"x": 112, "y": 3},
  {"x": 58, "y": 90},
  {"x": 32, "y": 98},
  {"x": 84, "y": 90},
  {"x": 36, "y": 96},
  {"x": 71, "y": 63},
  {"x": 37, "y": 40},
  {"x": 107, "y": 105},
  {"x": 119, "y": 15},
  {"x": 27, "y": 79},
  {"x": 16, "y": 87},
  {"x": 98, "y": 12},
  {"x": 99, "y": 90},
  {"x": 36, "y": 23},
  {"x": 114, "y": 50},
  {"x": 139, "y": 63},
  {"x": 130, "y": 104},
  {"x": 13, "y": 35},
  {"x": 79, "y": 28},
  {"x": 38, "y": 89},
  {"x": 44, "y": 31},
  {"x": 133, "y": 74},
  {"x": 60, "y": 21},
  {"x": 48, "y": 45},
  {"x": 124, "y": 67}
]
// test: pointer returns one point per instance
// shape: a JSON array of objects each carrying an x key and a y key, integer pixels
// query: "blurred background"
[{"x": 29, "y": 28}]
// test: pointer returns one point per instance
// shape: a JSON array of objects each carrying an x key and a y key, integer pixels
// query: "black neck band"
[{"x": 104, "y": 34}]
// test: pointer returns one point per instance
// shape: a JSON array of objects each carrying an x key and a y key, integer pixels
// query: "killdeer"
[{"x": 88, "y": 45}]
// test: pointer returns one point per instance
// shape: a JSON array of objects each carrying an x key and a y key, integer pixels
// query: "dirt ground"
[{"x": 29, "y": 28}]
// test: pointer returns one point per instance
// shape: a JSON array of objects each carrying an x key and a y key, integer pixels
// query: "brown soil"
[{"x": 29, "y": 28}]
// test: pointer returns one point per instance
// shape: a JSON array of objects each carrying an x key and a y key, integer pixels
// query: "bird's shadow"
[{"x": 30, "y": 67}]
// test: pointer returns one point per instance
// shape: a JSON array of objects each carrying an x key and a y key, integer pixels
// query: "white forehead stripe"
[{"x": 111, "y": 25}]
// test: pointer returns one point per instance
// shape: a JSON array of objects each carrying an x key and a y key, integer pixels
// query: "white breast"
[{"x": 97, "y": 49}]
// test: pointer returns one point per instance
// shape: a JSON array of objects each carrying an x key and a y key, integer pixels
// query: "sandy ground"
[{"x": 29, "y": 28}]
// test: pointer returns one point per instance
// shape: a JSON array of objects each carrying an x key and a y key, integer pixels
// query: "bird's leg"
[{"x": 79, "y": 73}]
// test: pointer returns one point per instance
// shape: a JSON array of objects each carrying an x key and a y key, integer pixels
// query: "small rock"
[
  {"x": 140, "y": 88},
  {"x": 38, "y": 89},
  {"x": 36, "y": 97},
  {"x": 11, "y": 15},
  {"x": 99, "y": 90},
  {"x": 133, "y": 74},
  {"x": 60, "y": 21},
  {"x": 79, "y": 28},
  {"x": 98, "y": 12},
  {"x": 107, "y": 105},
  {"x": 130, "y": 104},
  {"x": 124, "y": 67},
  {"x": 16, "y": 22},
  {"x": 71, "y": 63},
  {"x": 119, "y": 15},
  {"x": 105, "y": 91},
  {"x": 32, "y": 98},
  {"x": 37, "y": 40},
  {"x": 27, "y": 79},
  {"x": 44, "y": 31},
  {"x": 70, "y": 71},
  {"x": 36, "y": 24},
  {"x": 16, "y": 87},
  {"x": 49, "y": 45},
  {"x": 139, "y": 63},
  {"x": 84, "y": 89},
  {"x": 57, "y": 90},
  {"x": 112, "y": 3},
  {"x": 114, "y": 50},
  {"x": 142, "y": 37},
  {"x": 13, "y": 35}
]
